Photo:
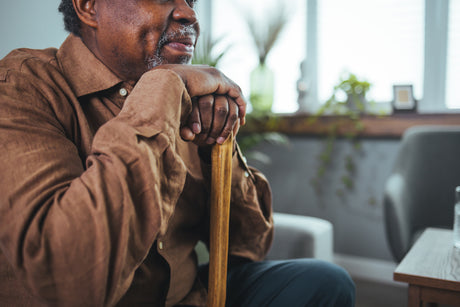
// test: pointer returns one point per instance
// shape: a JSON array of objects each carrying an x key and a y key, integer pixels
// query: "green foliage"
[
  {"x": 354, "y": 91},
  {"x": 349, "y": 110},
  {"x": 353, "y": 86},
  {"x": 248, "y": 141},
  {"x": 205, "y": 51}
]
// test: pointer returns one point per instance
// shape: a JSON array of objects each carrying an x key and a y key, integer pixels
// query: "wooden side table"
[{"x": 432, "y": 270}]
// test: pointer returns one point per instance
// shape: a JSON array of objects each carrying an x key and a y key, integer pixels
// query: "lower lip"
[{"x": 180, "y": 48}]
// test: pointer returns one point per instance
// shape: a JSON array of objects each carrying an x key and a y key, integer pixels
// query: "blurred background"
[{"x": 304, "y": 64}]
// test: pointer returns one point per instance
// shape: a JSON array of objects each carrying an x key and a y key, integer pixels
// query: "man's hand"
[
  {"x": 212, "y": 119},
  {"x": 217, "y": 104}
]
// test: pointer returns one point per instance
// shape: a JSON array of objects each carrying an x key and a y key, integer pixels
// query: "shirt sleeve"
[
  {"x": 251, "y": 220},
  {"x": 76, "y": 234}
]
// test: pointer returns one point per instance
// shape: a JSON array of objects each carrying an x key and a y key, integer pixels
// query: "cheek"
[
  {"x": 132, "y": 36},
  {"x": 124, "y": 47},
  {"x": 149, "y": 42},
  {"x": 126, "y": 58}
]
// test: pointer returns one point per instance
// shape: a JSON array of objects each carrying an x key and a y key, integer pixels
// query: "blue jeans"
[{"x": 293, "y": 283}]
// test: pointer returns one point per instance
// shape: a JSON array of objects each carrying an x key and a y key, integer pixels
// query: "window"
[
  {"x": 386, "y": 42},
  {"x": 241, "y": 58},
  {"x": 380, "y": 41},
  {"x": 453, "y": 56}
]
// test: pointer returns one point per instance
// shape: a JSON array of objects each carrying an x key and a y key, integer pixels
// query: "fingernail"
[
  {"x": 210, "y": 141},
  {"x": 196, "y": 128},
  {"x": 220, "y": 140}
]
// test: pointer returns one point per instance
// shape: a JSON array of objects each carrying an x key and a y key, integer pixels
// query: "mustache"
[{"x": 184, "y": 30}]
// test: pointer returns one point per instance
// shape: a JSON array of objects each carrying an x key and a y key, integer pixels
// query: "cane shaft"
[{"x": 221, "y": 177}]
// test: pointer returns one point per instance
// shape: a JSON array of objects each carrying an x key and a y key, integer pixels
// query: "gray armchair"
[
  {"x": 420, "y": 190},
  {"x": 296, "y": 236}
]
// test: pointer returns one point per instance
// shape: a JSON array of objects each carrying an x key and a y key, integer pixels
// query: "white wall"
[{"x": 30, "y": 23}]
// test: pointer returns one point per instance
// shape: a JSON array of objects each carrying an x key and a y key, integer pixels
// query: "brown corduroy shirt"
[{"x": 101, "y": 202}]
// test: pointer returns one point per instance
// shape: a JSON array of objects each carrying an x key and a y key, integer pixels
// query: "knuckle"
[
  {"x": 234, "y": 107},
  {"x": 205, "y": 105},
  {"x": 205, "y": 102},
  {"x": 214, "y": 72},
  {"x": 221, "y": 111},
  {"x": 227, "y": 130},
  {"x": 233, "y": 117}
]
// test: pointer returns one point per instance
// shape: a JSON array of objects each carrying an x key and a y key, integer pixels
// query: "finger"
[
  {"x": 232, "y": 90},
  {"x": 194, "y": 121},
  {"x": 187, "y": 134},
  {"x": 226, "y": 87},
  {"x": 236, "y": 127},
  {"x": 232, "y": 118},
  {"x": 221, "y": 108},
  {"x": 236, "y": 94},
  {"x": 206, "y": 109}
]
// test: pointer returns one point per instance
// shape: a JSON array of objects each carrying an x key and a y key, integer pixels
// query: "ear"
[{"x": 86, "y": 12}]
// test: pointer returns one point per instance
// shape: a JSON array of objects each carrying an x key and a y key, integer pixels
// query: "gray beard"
[
  {"x": 154, "y": 61},
  {"x": 157, "y": 59}
]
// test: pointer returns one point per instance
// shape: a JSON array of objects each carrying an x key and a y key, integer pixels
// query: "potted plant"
[
  {"x": 355, "y": 91},
  {"x": 349, "y": 111},
  {"x": 264, "y": 33}
]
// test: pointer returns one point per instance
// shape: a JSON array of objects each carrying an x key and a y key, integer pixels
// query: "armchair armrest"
[{"x": 298, "y": 236}]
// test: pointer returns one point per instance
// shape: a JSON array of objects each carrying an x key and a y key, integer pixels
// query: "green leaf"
[{"x": 205, "y": 51}]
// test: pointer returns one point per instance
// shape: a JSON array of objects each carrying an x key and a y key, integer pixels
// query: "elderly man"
[{"x": 105, "y": 171}]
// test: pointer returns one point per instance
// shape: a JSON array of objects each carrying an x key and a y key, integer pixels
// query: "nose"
[{"x": 184, "y": 12}]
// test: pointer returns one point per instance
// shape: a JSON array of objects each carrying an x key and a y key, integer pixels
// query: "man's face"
[{"x": 134, "y": 36}]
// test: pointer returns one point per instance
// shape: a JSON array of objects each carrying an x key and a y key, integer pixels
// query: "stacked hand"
[{"x": 218, "y": 105}]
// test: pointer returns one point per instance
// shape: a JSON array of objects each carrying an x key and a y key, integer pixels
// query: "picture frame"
[{"x": 403, "y": 98}]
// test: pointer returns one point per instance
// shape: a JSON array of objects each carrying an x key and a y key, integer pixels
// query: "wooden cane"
[{"x": 221, "y": 179}]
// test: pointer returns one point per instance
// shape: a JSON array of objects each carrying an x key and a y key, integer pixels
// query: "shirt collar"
[{"x": 86, "y": 73}]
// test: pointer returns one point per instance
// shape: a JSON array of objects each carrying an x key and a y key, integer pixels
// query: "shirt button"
[
  {"x": 123, "y": 92},
  {"x": 160, "y": 245}
]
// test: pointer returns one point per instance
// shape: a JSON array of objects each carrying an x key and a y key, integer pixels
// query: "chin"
[
  {"x": 180, "y": 59},
  {"x": 185, "y": 60},
  {"x": 153, "y": 62}
]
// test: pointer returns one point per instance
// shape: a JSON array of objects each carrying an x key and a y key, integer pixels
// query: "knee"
[
  {"x": 335, "y": 286},
  {"x": 323, "y": 283}
]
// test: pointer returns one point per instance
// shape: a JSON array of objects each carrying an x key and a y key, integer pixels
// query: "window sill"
[{"x": 387, "y": 126}]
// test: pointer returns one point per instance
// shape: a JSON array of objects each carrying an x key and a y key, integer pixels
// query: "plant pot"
[
  {"x": 356, "y": 103},
  {"x": 262, "y": 83}
]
